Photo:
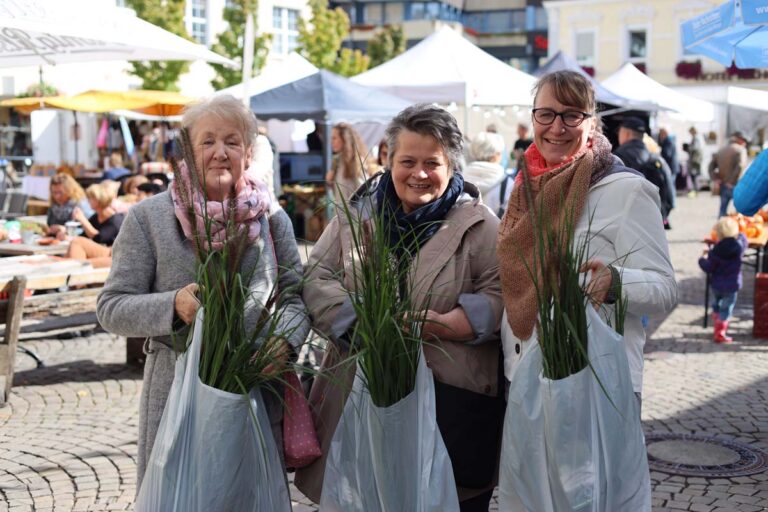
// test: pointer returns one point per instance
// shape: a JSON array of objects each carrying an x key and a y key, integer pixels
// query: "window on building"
[
  {"x": 374, "y": 14},
  {"x": 198, "y": 21},
  {"x": 394, "y": 12},
  {"x": 425, "y": 10},
  {"x": 638, "y": 49},
  {"x": 285, "y": 30},
  {"x": 585, "y": 48}
]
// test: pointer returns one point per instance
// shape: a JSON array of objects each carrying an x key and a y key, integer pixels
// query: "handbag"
[
  {"x": 715, "y": 188},
  {"x": 300, "y": 441},
  {"x": 471, "y": 425}
]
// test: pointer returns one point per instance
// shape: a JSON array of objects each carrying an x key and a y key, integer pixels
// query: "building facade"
[
  {"x": 514, "y": 31},
  {"x": 604, "y": 34}
]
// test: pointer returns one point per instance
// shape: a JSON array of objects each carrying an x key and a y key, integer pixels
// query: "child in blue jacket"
[{"x": 723, "y": 264}]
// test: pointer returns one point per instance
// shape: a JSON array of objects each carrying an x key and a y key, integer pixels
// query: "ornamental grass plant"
[
  {"x": 233, "y": 358},
  {"x": 560, "y": 283},
  {"x": 386, "y": 339}
]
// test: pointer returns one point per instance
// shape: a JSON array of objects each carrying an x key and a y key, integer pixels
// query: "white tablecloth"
[{"x": 37, "y": 186}]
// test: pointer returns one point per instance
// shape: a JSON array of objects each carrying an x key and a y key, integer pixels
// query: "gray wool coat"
[{"x": 151, "y": 261}]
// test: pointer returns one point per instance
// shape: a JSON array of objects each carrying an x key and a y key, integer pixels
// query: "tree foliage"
[
  {"x": 231, "y": 42},
  {"x": 168, "y": 14},
  {"x": 321, "y": 37},
  {"x": 386, "y": 44}
]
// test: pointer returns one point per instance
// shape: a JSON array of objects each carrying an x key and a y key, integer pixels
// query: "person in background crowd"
[
  {"x": 262, "y": 167},
  {"x": 491, "y": 128},
  {"x": 521, "y": 144},
  {"x": 347, "y": 171},
  {"x": 66, "y": 195},
  {"x": 315, "y": 139},
  {"x": 634, "y": 154},
  {"x": 486, "y": 172},
  {"x": 382, "y": 155},
  {"x": 116, "y": 168},
  {"x": 146, "y": 190},
  {"x": 726, "y": 167},
  {"x": 751, "y": 192},
  {"x": 668, "y": 144},
  {"x": 695, "y": 151},
  {"x": 723, "y": 263},
  {"x": 100, "y": 229},
  {"x": 130, "y": 185},
  {"x": 423, "y": 192}
]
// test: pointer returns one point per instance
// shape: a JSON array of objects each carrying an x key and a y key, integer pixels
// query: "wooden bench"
[{"x": 73, "y": 288}]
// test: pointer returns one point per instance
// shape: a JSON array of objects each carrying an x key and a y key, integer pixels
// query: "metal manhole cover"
[{"x": 709, "y": 457}]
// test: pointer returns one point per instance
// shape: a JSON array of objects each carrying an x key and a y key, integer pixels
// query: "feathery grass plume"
[
  {"x": 560, "y": 289},
  {"x": 386, "y": 339}
]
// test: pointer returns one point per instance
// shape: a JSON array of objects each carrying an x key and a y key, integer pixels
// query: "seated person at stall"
[
  {"x": 100, "y": 229},
  {"x": 116, "y": 167},
  {"x": 66, "y": 195}
]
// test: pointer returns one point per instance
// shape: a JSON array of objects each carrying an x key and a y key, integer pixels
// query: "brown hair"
[
  {"x": 71, "y": 187},
  {"x": 130, "y": 185},
  {"x": 569, "y": 88},
  {"x": 353, "y": 151}
]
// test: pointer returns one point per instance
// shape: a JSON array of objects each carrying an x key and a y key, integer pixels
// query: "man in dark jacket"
[
  {"x": 635, "y": 155},
  {"x": 668, "y": 145}
]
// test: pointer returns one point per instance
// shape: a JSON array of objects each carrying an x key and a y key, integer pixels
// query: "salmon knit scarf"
[{"x": 556, "y": 190}]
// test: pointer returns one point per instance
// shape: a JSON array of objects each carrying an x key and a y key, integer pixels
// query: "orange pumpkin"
[{"x": 752, "y": 232}]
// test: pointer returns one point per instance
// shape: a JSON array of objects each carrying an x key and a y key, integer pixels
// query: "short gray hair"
[
  {"x": 485, "y": 146},
  {"x": 428, "y": 119},
  {"x": 224, "y": 106}
]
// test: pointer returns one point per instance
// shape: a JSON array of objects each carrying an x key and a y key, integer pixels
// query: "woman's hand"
[
  {"x": 601, "y": 282},
  {"x": 280, "y": 351},
  {"x": 78, "y": 215},
  {"x": 57, "y": 230},
  {"x": 186, "y": 303},
  {"x": 451, "y": 326}
]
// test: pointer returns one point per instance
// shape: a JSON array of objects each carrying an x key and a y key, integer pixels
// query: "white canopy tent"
[
  {"x": 635, "y": 85},
  {"x": 274, "y": 74},
  {"x": 447, "y": 68},
  {"x": 38, "y": 32}
]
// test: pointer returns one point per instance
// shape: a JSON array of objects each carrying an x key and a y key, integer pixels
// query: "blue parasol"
[{"x": 736, "y": 31}]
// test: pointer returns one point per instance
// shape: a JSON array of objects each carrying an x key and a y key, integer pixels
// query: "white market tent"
[
  {"x": 635, "y": 85},
  {"x": 274, "y": 74},
  {"x": 447, "y": 68},
  {"x": 39, "y": 32}
]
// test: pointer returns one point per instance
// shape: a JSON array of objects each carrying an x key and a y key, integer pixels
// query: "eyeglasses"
[{"x": 570, "y": 118}]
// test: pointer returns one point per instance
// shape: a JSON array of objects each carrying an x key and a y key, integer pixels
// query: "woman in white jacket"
[
  {"x": 571, "y": 167},
  {"x": 486, "y": 172}
]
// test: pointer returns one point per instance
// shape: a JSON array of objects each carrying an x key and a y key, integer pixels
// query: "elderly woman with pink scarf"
[{"x": 150, "y": 292}]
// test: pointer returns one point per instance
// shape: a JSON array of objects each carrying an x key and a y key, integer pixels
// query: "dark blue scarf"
[{"x": 408, "y": 232}]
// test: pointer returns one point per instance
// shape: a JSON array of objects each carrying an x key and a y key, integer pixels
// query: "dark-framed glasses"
[{"x": 570, "y": 118}]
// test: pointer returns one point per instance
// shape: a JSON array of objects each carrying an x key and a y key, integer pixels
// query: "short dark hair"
[
  {"x": 428, "y": 119},
  {"x": 150, "y": 188}
]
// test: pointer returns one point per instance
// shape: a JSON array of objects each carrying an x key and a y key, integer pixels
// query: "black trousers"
[{"x": 478, "y": 503}]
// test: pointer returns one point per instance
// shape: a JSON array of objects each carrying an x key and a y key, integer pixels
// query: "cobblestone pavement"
[{"x": 68, "y": 435}]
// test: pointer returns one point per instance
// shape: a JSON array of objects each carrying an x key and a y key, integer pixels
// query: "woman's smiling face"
[
  {"x": 420, "y": 170},
  {"x": 221, "y": 154},
  {"x": 557, "y": 142}
]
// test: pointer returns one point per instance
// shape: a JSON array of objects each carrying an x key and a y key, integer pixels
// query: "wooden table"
[
  {"x": 9, "y": 249},
  {"x": 46, "y": 272},
  {"x": 753, "y": 257}
]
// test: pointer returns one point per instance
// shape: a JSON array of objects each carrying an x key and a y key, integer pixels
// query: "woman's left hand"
[
  {"x": 281, "y": 350},
  {"x": 601, "y": 282}
]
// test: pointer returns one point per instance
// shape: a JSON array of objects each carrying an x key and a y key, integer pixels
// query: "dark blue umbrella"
[{"x": 736, "y": 31}]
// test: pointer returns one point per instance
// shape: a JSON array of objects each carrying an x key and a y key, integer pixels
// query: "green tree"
[
  {"x": 321, "y": 37},
  {"x": 168, "y": 14},
  {"x": 231, "y": 42},
  {"x": 386, "y": 44}
]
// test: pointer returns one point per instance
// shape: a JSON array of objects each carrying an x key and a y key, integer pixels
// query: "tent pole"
[
  {"x": 76, "y": 135},
  {"x": 327, "y": 160}
]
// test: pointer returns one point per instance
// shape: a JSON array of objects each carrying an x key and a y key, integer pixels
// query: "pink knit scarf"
[{"x": 251, "y": 202}]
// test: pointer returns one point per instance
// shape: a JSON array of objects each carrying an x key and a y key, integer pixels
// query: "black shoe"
[{"x": 666, "y": 225}]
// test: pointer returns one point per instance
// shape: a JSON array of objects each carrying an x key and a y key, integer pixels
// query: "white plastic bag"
[
  {"x": 209, "y": 455},
  {"x": 389, "y": 459},
  {"x": 567, "y": 446}
]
